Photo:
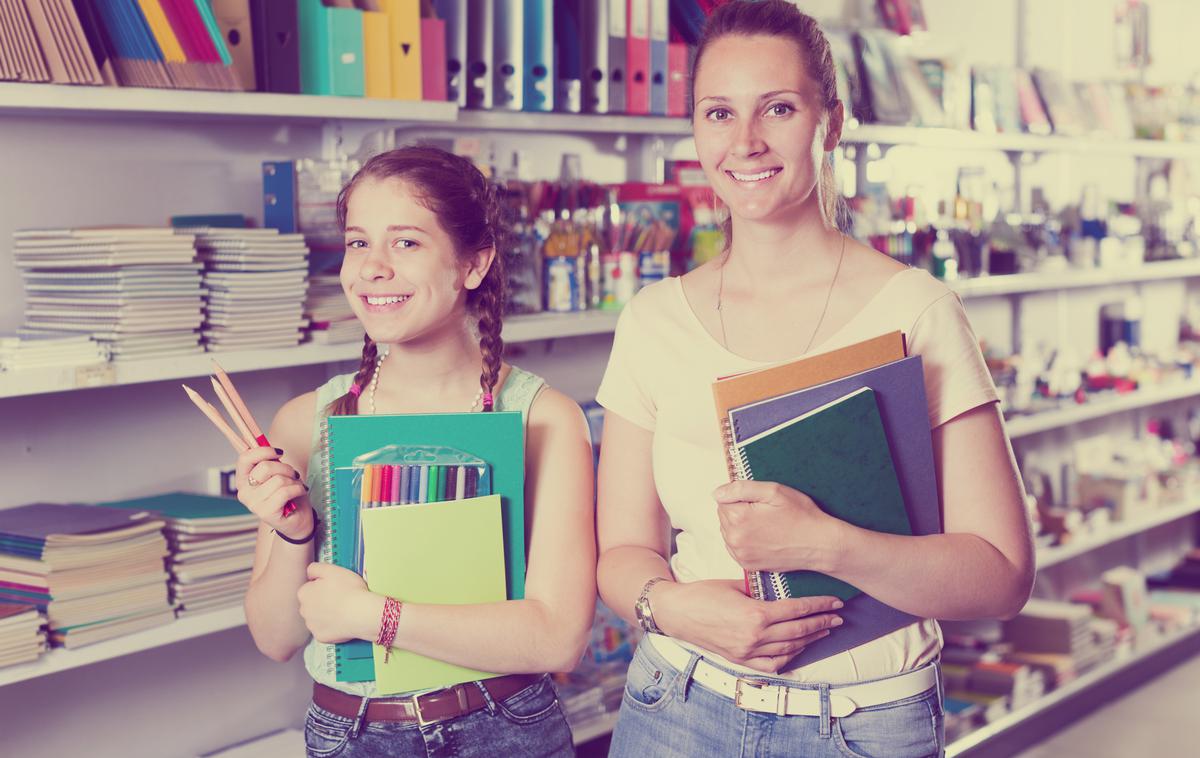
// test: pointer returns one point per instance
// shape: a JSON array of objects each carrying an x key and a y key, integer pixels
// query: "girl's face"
[
  {"x": 400, "y": 272},
  {"x": 759, "y": 125}
]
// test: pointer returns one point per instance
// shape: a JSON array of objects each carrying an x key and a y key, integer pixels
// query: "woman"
[
  {"x": 712, "y": 677},
  {"x": 422, "y": 274}
]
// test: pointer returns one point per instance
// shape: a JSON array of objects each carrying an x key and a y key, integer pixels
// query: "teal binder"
[
  {"x": 497, "y": 438},
  {"x": 331, "y": 50}
]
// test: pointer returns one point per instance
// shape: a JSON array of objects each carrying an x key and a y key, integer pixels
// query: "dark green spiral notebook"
[{"x": 838, "y": 455}]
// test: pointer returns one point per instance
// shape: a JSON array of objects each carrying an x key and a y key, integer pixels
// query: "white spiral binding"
[{"x": 330, "y": 518}]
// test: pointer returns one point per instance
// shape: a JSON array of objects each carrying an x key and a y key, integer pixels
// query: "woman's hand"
[
  {"x": 761, "y": 635},
  {"x": 266, "y": 484},
  {"x": 769, "y": 527},
  {"x": 337, "y": 606}
]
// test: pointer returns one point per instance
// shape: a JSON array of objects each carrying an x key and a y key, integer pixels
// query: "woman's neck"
[{"x": 769, "y": 255}]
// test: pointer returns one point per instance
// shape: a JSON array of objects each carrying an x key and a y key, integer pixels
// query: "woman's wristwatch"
[{"x": 641, "y": 609}]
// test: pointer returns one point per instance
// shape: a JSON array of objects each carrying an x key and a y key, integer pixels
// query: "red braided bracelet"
[{"x": 388, "y": 625}]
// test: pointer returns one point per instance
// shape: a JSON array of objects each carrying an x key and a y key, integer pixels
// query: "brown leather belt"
[{"x": 429, "y": 708}]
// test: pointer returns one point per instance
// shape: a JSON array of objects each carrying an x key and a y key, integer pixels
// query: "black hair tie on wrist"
[{"x": 306, "y": 540}]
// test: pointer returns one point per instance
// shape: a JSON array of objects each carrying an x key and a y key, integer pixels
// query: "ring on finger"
[{"x": 253, "y": 482}]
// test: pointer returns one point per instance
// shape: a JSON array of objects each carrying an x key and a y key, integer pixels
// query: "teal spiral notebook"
[{"x": 496, "y": 438}]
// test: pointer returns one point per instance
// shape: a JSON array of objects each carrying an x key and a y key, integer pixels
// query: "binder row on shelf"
[{"x": 593, "y": 56}]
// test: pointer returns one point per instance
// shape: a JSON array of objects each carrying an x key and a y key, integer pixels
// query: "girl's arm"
[
  {"x": 981, "y": 567},
  {"x": 272, "y": 609},
  {"x": 548, "y": 630}
]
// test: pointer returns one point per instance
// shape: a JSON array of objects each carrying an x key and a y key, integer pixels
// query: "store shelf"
[
  {"x": 60, "y": 100},
  {"x": 61, "y": 659},
  {"x": 1036, "y": 423},
  {"x": 511, "y": 121},
  {"x": 1049, "y": 556},
  {"x": 1044, "y": 281},
  {"x": 956, "y": 139},
  {"x": 541, "y": 326},
  {"x": 593, "y": 729},
  {"x": 977, "y": 739}
]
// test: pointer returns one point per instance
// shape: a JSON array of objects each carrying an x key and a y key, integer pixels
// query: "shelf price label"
[{"x": 96, "y": 375}]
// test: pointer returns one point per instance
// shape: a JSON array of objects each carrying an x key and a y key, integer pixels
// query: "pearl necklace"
[{"x": 375, "y": 383}]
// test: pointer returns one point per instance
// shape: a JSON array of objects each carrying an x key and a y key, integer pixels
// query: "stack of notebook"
[
  {"x": 331, "y": 320},
  {"x": 136, "y": 290},
  {"x": 45, "y": 43},
  {"x": 850, "y": 428},
  {"x": 49, "y": 349},
  {"x": 96, "y": 572},
  {"x": 1064, "y": 639},
  {"x": 212, "y": 548},
  {"x": 256, "y": 281},
  {"x": 22, "y": 638}
]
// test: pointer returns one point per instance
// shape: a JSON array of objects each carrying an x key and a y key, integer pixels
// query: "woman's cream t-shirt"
[{"x": 660, "y": 377}]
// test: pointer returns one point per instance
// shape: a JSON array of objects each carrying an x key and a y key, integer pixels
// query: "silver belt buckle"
[{"x": 781, "y": 695}]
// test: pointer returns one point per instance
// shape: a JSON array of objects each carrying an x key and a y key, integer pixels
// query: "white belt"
[{"x": 755, "y": 695}]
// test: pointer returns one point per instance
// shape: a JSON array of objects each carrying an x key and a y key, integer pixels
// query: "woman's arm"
[
  {"x": 272, "y": 610},
  {"x": 634, "y": 536},
  {"x": 981, "y": 567},
  {"x": 548, "y": 630}
]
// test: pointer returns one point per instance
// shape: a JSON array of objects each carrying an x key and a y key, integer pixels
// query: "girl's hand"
[
  {"x": 274, "y": 484},
  {"x": 769, "y": 527},
  {"x": 761, "y": 635},
  {"x": 337, "y": 606}
]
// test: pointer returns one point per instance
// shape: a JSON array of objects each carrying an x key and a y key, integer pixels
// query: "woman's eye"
[
  {"x": 356, "y": 244},
  {"x": 719, "y": 114},
  {"x": 404, "y": 244},
  {"x": 780, "y": 109}
]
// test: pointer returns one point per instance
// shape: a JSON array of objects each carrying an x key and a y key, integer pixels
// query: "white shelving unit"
[
  {"x": 598, "y": 728},
  {"x": 1097, "y": 676},
  {"x": 1052, "y": 556},
  {"x": 1020, "y": 427},
  {"x": 542, "y": 326},
  {"x": 62, "y": 659},
  {"x": 1050, "y": 281}
]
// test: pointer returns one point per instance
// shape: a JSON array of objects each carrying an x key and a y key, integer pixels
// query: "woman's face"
[
  {"x": 400, "y": 272},
  {"x": 759, "y": 126}
]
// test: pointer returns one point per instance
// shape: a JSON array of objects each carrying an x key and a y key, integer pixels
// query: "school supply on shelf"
[
  {"x": 95, "y": 572},
  {"x": 47, "y": 349},
  {"x": 135, "y": 290},
  {"x": 446, "y": 553},
  {"x": 351, "y": 442},
  {"x": 331, "y": 319},
  {"x": 22, "y": 638},
  {"x": 249, "y": 434},
  {"x": 212, "y": 548},
  {"x": 256, "y": 281}
]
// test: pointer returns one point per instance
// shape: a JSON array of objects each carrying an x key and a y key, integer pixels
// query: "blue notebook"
[{"x": 899, "y": 389}]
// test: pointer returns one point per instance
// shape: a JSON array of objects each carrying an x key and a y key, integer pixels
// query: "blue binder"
[
  {"x": 539, "y": 55},
  {"x": 660, "y": 32}
]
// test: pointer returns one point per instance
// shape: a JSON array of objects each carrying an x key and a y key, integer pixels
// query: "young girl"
[
  {"x": 421, "y": 272},
  {"x": 711, "y": 678}
]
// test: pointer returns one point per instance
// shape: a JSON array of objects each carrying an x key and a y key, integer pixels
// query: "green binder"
[
  {"x": 331, "y": 50},
  {"x": 838, "y": 455},
  {"x": 443, "y": 553}
]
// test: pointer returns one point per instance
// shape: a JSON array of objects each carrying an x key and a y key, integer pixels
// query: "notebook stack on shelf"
[
  {"x": 331, "y": 320},
  {"x": 22, "y": 638},
  {"x": 212, "y": 548},
  {"x": 97, "y": 573},
  {"x": 48, "y": 350},
  {"x": 135, "y": 290},
  {"x": 45, "y": 43},
  {"x": 256, "y": 281},
  {"x": 1064, "y": 640}
]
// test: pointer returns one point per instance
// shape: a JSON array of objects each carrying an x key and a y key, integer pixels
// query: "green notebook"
[
  {"x": 838, "y": 455},
  {"x": 446, "y": 553}
]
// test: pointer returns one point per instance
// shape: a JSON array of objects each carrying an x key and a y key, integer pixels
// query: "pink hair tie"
[
  {"x": 355, "y": 389},
  {"x": 487, "y": 400}
]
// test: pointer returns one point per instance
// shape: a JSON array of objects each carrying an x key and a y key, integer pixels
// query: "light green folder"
[{"x": 448, "y": 553}]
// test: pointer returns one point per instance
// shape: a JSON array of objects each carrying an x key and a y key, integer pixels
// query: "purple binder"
[{"x": 900, "y": 392}]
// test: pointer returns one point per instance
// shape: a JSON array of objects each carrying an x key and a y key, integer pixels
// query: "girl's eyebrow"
[{"x": 392, "y": 228}]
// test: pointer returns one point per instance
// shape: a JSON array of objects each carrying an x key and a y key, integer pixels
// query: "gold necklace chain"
[{"x": 824, "y": 309}]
